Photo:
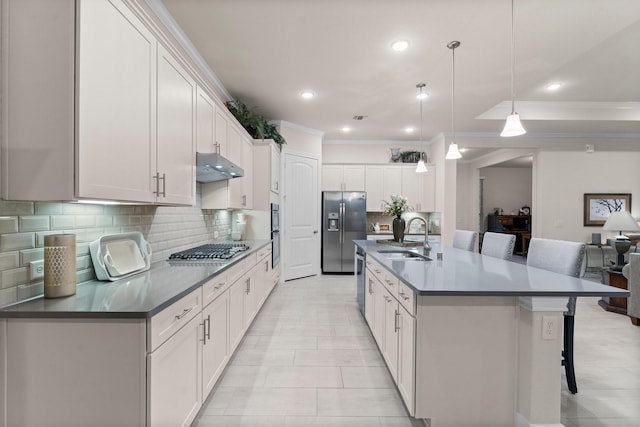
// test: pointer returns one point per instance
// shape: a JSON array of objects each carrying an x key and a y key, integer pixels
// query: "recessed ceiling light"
[
  {"x": 400, "y": 45},
  {"x": 307, "y": 94},
  {"x": 554, "y": 86},
  {"x": 423, "y": 95},
  {"x": 346, "y": 129},
  {"x": 409, "y": 129}
]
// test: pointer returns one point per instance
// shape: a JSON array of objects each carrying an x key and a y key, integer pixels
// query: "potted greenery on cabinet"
[{"x": 256, "y": 125}]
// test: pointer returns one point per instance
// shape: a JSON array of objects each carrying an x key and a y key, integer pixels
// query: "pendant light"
[
  {"x": 421, "y": 168},
  {"x": 513, "y": 127},
  {"x": 453, "y": 152}
]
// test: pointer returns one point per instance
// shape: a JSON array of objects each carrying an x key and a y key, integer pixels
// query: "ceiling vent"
[{"x": 356, "y": 117}]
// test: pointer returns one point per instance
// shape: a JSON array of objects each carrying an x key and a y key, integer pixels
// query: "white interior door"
[{"x": 301, "y": 252}]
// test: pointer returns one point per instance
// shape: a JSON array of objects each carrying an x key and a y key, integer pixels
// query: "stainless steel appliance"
[
  {"x": 210, "y": 252},
  {"x": 359, "y": 266},
  {"x": 275, "y": 235},
  {"x": 344, "y": 218}
]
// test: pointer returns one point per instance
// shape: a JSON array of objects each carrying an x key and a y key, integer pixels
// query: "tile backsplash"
[{"x": 23, "y": 226}]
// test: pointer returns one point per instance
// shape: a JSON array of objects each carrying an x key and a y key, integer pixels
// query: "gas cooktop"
[{"x": 211, "y": 251}]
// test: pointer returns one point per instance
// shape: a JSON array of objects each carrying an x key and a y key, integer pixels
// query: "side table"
[{"x": 615, "y": 304}]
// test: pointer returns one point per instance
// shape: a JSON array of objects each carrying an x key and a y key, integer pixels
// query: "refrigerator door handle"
[{"x": 341, "y": 223}]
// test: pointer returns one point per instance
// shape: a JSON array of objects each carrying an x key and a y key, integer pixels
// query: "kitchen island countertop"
[
  {"x": 138, "y": 296},
  {"x": 466, "y": 273}
]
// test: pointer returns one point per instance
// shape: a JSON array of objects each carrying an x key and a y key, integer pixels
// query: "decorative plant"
[
  {"x": 410, "y": 156},
  {"x": 397, "y": 206},
  {"x": 256, "y": 125}
]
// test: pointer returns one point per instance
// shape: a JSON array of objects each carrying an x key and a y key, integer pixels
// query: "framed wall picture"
[{"x": 598, "y": 206}]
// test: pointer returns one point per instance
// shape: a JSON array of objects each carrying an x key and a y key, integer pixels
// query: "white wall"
[
  {"x": 563, "y": 177},
  {"x": 506, "y": 188},
  {"x": 301, "y": 140}
]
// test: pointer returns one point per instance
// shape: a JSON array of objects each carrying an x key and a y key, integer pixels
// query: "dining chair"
[
  {"x": 632, "y": 272},
  {"x": 498, "y": 245},
  {"x": 561, "y": 257},
  {"x": 464, "y": 239}
]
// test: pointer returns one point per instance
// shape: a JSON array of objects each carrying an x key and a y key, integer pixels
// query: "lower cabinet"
[
  {"x": 236, "y": 314},
  {"x": 394, "y": 329},
  {"x": 405, "y": 378},
  {"x": 215, "y": 341},
  {"x": 175, "y": 378},
  {"x": 153, "y": 372}
]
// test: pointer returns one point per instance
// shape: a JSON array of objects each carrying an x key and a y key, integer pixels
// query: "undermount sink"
[{"x": 404, "y": 255}]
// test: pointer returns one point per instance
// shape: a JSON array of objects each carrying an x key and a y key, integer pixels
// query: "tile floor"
[{"x": 310, "y": 360}]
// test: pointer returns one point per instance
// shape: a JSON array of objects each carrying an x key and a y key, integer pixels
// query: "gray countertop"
[
  {"x": 138, "y": 296},
  {"x": 471, "y": 274}
]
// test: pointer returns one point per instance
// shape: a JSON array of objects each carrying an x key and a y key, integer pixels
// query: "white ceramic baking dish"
[{"x": 116, "y": 256}]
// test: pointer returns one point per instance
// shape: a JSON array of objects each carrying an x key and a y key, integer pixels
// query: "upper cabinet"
[
  {"x": 266, "y": 174},
  {"x": 236, "y": 193},
  {"x": 176, "y": 109},
  {"x": 343, "y": 178},
  {"x": 381, "y": 182},
  {"x": 115, "y": 105},
  {"x": 115, "y": 117},
  {"x": 419, "y": 188},
  {"x": 205, "y": 123}
]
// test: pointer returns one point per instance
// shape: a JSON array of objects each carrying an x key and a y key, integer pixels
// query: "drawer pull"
[{"x": 184, "y": 313}]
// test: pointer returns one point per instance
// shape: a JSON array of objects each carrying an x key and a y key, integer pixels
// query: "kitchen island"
[
  {"x": 142, "y": 351},
  {"x": 471, "y": 340}
]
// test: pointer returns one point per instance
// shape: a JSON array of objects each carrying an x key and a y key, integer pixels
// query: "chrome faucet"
[{"x": 426, "y": 247}]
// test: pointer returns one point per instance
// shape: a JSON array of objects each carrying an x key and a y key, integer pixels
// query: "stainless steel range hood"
[{"x": 212, "y": 167}]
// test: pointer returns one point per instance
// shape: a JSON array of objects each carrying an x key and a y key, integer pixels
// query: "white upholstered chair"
[
  {"x": 632, "y": 272},
  {"x": 498, "y": 245},
  {"x": 464, "y": 239},
  {"x": 561, "y": 257}
]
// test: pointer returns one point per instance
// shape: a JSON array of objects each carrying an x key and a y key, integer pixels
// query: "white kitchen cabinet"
[
  {"x": 116, "y": 119},
  {"x": 251, "y": 296},
  {"x": 175, "y": 180},
  {"x": 274, "y": 181},
  {"x": 420, "y": 188},
  {"x": 116, "y": 97},
  {"x": 405, "y": 378},
  {"x": 236, "y": 193},
  {"x": 215, "y": 344},
  {"x": 236, "y": 314},
  {"x": 379, "y": 304},
  {"x": 205, "y": 122},
  {"x": 343, "y": 177},
  {"x": 369, "y": 298},
  {"x": 390, "y": 340},
  {"x": 266, "y": 174},
  {"x": 175, "y": 378},
  {"x": 221, "y": 132},
  {"x": 381, "y": 182}
]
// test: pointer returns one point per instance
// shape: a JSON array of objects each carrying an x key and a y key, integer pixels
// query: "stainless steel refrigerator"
[{"x": 344, "y": 219}]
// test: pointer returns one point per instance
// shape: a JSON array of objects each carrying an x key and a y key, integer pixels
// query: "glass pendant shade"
[
  {"x": 453, "y": 152},
  {"x": 421, "y": 168},
  {"x": 513, "y": 127}
]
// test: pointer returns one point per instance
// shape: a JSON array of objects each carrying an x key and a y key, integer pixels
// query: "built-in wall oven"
[{"x": 275, "y": 235}]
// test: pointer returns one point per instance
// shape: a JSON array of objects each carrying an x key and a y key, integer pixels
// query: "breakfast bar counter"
[{"x": 471, "y": 340}]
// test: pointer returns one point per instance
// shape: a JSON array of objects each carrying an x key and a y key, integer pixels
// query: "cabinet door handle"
[
  {"x": 184, "y": 313},
  {"x": 208, "y": 328},
  {"x": 244, "y": 200},
  {"x": 248, "y": 286},
  {"x": 164, "y": 185},
  {"x": 397, "y": 323},
  {"x": 156, "y": 177},
  {"x": 370, "y": 291},
  {"x": 277, "y": 185},
  {"x": 266, "y": 266}
]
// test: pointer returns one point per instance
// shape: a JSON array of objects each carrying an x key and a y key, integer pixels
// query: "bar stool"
[
  {"x": 498, "y": 245},
  {"x": 561, "y": 257},
  {"x": 464, "y": 239}
]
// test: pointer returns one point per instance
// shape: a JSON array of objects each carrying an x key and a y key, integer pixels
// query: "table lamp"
[{"x": 621, "y": 221}]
